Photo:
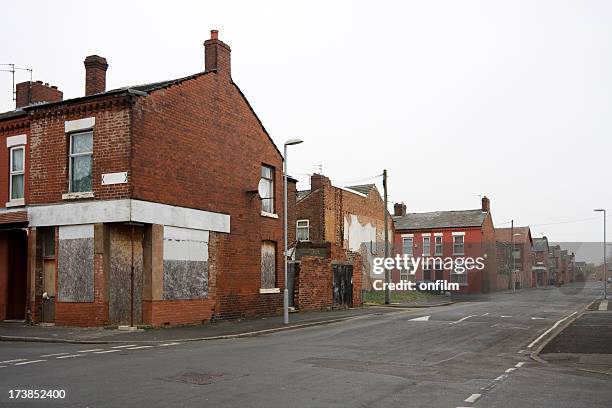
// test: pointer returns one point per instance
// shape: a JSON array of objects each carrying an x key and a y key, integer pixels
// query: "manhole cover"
[{"x": 197, "y": 378}]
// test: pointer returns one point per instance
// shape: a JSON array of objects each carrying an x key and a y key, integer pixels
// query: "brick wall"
[
  {"x": 49, "y": 145},
  {"x": 211, "y": 152},
  {"x": 29, "y": 93}
]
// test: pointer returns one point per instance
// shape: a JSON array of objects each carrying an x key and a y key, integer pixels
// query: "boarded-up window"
[{"x": 268, "y": 265}]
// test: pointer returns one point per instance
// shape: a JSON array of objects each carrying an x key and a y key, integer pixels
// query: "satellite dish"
[{"x": 261, "y": 188}]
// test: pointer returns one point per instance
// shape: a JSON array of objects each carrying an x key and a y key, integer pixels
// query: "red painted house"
[
  {"x": 139, "y": 205},
  {"x": 448, "y": 234}
]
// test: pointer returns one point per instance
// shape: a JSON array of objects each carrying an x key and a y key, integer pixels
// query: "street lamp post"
[
  {"x": 605, "y": 266},
  {"x": 289, "y": 142}
]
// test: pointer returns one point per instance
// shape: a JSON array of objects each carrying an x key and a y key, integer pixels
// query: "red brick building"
[
  {"x": 139, "y": 204},
  {"x": 541, "y": 262},
  {"x": 448, "y": 234},
  {"x": 516, "y": 253},
  {"x": 340, "y": 226}
]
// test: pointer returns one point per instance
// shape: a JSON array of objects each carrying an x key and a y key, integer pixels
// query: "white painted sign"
[{"x": 114, "y": 178}]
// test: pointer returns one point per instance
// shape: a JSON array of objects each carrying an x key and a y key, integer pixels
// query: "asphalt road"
[{"x": 462, "y": 355}]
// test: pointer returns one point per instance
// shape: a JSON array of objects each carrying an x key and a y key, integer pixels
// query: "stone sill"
[
  {"x": 271, "y": 290},
  {"x": 15, "y": 203},
  {"x": 77, "y": 196},
  {"x": 269, "y": 215}
]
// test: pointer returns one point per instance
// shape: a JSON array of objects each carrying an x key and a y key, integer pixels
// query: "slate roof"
[
  {"x": 12, "y": 114},
  {"x": 362, "y": 188},
  {"x": 505, "y": 234},
  {"x": 302, "y": 194},
  {"x": 440, "y": 219}
]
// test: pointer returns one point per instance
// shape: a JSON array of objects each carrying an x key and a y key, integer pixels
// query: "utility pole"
[
  {"x": 512, "y": 255},
  {"x": 605, "y": 265},
  {"x": 387, "y": 272}
]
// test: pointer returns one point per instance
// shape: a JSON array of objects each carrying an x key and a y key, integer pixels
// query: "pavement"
[{"x": 467, "y": 354}]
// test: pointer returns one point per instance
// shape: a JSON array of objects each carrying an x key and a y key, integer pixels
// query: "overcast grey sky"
[{"x": 511, "y": 99}]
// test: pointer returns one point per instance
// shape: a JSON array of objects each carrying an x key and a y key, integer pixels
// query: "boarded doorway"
[
  {"x": 126, "y": 251},
  {"x": 343, "y": 285},
  {"x": 13, "y": 255}
]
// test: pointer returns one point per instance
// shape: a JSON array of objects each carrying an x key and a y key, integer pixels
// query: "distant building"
[
  {"x": 515, "y": 255},
  {"x": 454, "y": 234},
  {"x": 540, "y": 268}
]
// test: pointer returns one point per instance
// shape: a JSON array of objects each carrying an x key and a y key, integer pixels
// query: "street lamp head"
[{"x": 292, "y": 142}]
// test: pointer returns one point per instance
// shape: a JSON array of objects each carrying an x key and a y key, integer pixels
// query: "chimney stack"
[
  {"x": 95, "y": 74},
  {"x": 217, "y": 55},
  {"x": 399, "y": 209},
  {"x": 318, "y": 181},
  {"x": 30, "y": 93},
  {"x": 486, "y": 204}
]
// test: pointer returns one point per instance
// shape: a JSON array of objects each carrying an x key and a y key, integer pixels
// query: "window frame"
[
  {"x": 72, "y": 155},
  {"x": 298, "y": 227},
  {"x": 13, "y": 173},
  {"x": 404, "y": 239},
  {"x": 428, "y": 238},
  {"x": 436, "y": 253},
  {"x": 272, "y": 181},
  {"x": 455, "y": 237}
]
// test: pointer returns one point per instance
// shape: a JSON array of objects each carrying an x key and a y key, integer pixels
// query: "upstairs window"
[
  {"x": 17, "y": 177},
  {"x": 81, "y": 158},
  {"x": 426, "y": 246},
  {"x": 267, "y": 201},
  {"x": 407, "y": 246},
  {"x": 458, "y": 245},
  {"x": 438, "y": 245},
  {"x": 303, "y": 230}
]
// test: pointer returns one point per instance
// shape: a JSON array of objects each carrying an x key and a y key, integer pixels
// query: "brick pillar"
[
  {"x": 101, "y": 273},
  {"x": 153, "y": 271}
]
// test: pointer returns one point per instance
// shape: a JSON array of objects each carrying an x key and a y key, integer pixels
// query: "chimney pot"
[
  {"x": 217, "y": 55},
  {"x": 95, "y": 74},
  {"x": 486, "y": 204}
]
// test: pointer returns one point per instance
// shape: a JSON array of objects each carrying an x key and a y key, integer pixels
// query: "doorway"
[{"x": 14, "y": 257}]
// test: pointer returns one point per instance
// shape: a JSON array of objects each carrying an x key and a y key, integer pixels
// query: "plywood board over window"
[{"x": 268, "y": 265}]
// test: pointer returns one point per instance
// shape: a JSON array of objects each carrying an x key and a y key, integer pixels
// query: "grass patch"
[{"x": 399, "y": 296}]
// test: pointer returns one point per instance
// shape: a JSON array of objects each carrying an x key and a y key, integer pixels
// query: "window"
[
  {"x": 426, "y": 246},
  {"x": 438, "y": 245},
  {"x": 460, "y": 278},
  {"x": 81, "y": 157},
  {"x": 17, "y": 178},
  {"x": 407, "y": 245},
  {"x": 303, "y": 230},
  {"x": 517, "y": 253},
  {"x": 458, "y": 245},
  {"x": 267, "y": 201},
  {"x": 427, "y": 274},
  {"x": 268, "y": 265},
  {"x": 405, "y": 275},
  {"x": 439, "y": 274}
]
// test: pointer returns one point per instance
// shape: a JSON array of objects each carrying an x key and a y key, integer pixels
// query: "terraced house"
[{"x": 139, "y": 205}]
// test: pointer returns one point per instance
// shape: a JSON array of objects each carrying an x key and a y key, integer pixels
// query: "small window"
[
  {"x": 48, "y": 242},
  {"x": 407, "y": 245},
  {"x": 438, "y": 244},
  {"x": 268, "y": 265},
  {"x": 81, "y": 158},
  {"x": 267, "y": 201},
  {"x": 439, "y": 273},
  {"x": 406, "y": 275},
  {"x": 458, "y": 245},
  {"x": 303, "y": 230},
  {"x": 427, "y": 274},
  {"x": 17, "y": 177},
  {"x": 460, "y": 278},
  {"x": 426, "y": 246}
]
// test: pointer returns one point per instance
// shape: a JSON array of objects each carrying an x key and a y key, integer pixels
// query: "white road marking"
[
  {"x": 106, "y": 351},
  {"x": 511, "y": 369},
  {"x": 420, "y": 319},
  {"x": 504, "y": 316},
  {"x": 89, "y": 351},
  {"x": 462, "y": 319},
  {"x": 538, "y": 318},
  {"x": 139, "y": 347},
  {"x": 29, "y": 362},
  {"x": 13, "y": 361},
  {"x": 501, "y": 377},
  {"x": 54, "y": 355},
  {"x": 2, "y": 366},
  {"x": 70, "y": 356},
  {"x": 603, "y": 305},
  {"x": 549, "y": 330},
  {"x": 486, "y": 314},
  {"x": 169, "y": 344},
  {"x": 124, "y": 346},
  {"x": 521, "y": 352},
  {"x": 472, "y": 398},
  {"x": 520, "y": 364}
]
